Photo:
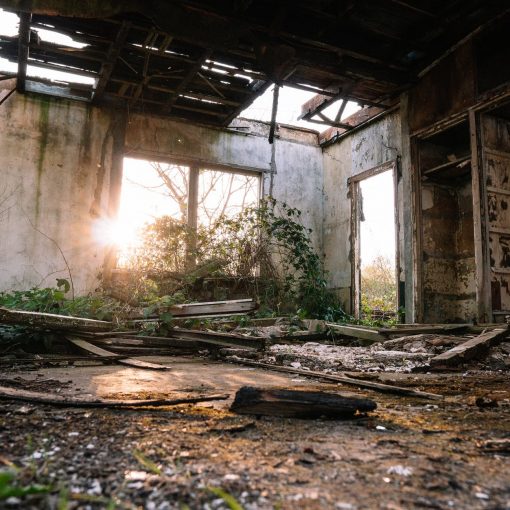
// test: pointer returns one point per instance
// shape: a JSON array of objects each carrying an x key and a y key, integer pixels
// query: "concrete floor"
[{"x": 187, "y": 376}]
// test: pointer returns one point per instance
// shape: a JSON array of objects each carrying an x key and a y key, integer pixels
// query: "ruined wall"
[
  {"x": 364, "y": 149},
  {"x": 298, "y": 158},
  {"x": 61, "y": 173},
  {"x": 56, "y": 163}
]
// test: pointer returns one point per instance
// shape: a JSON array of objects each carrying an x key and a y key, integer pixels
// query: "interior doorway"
[{"x": 375, "y": 246}]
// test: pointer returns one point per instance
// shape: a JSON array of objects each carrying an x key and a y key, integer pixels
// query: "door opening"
[{"x": 375, "y": 243}]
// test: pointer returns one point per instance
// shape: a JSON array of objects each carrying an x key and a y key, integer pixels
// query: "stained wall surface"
[
  {"x": 61, "y": 179},
  {"x": 56, "y": 161}
]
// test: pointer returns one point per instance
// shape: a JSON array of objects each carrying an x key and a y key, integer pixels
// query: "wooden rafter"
[
  {"x": 111, "y": 58},
  {"x": 23, "y": 48},
  {"x": 191, "y": 73}
]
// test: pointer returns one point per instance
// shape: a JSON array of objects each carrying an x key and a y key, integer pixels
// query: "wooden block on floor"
[{"x": 298, "y": 404}]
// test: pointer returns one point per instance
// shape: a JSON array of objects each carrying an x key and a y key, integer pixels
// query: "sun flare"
[{"x": 118, "y": 233}]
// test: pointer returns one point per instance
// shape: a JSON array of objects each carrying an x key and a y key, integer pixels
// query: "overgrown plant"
[
  {"x": 267, "y": 244},
  {"x": 53, "y": 300}
]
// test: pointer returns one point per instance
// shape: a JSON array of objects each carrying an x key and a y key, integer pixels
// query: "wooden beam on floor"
[
  {"x": 34, "y": 397},
  {"x": 471, "y": 349},
  {"x": 361, "y": 383}
]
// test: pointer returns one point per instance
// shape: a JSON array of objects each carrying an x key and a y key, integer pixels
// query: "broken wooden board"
[
  {"x": 361, "y": 383},
  {"x": 98, "y": 351},
  {"x": 39, "y": 320},
  {"x": 59, "y": 400},
  {"x": 364, "y": 333},
  {"x": 298, "y": 404},
  {"x": 212, "y": 308},
  {"x": 471, "y": 349}
]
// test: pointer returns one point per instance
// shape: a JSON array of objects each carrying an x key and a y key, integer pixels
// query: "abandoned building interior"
[{"x": 200, "y": 309}]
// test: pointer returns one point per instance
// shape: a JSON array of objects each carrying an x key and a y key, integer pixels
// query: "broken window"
[{"x": 154, "y": 192}]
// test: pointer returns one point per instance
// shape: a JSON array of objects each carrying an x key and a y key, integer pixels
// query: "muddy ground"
[{"x": 410, "y": 453}]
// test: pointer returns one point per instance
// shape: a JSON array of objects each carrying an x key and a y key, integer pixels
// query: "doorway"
[{"x": 374, "y": 240}]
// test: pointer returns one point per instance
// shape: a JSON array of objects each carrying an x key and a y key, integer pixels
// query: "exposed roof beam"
[
  {"x": 316, "y": 104},
  {"x": 23, "y": 45},
  {"x": 191, "y": 73},
  {"x": 340, "y": 112},
  {"x": 111, "y": 58},
  {"x": 326, "y": 121}
]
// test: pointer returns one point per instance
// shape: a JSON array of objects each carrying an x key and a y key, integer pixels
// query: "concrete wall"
[
  {"x": 362, "y": 150},
  {"x": 60, "y": 163},
  {"x": 56, "y": 163}
]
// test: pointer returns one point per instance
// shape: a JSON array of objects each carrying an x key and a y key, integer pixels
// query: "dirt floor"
[{"x": 409, "y": 453}]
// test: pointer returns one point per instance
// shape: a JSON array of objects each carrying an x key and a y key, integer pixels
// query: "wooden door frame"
[{"x": 354, "y": 191}]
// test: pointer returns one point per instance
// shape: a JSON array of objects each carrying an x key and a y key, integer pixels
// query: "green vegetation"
[
  {"x": 378, "y": 289},
  {"x": 12, "y": 486},
  {"x": 266, "y": 244},
  {"x": 53, "y": 300}
]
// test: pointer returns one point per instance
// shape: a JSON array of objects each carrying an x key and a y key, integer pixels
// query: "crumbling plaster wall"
[
  {"x": 56, "y": 161},
  {"x": 61, "y": 176},
  {"x": 362, "y": 150}
]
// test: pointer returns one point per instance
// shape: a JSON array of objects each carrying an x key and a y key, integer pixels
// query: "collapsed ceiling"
[{"x": 207, "y": 60}]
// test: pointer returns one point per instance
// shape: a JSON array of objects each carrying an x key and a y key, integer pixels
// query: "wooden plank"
[
  {"x": 39, "y": 320},
  {"x": 470, "y": 349},
  {"x": 298, "y": 404},
  {"x": 98, "y": 351},
  {"x": 59, "y": 400},
  {"x": 213, "y": 307},
  {"x": 361, "y": 383},
  {"x": 357, "y": 332},
  {"x": 423, "y": 328}
]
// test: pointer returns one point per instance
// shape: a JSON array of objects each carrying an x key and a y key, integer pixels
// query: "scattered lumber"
[
  {"x": 298, "y": 404},
  {"x": 361, "y": 383},
  {"x": 217, "y": 338},
  {"x": 98, "y": 351},
  {"x": 382, "y": 334},
  {"x": 39, "y": 320},
  {"x": 59, "y": 400},
  {"x": 471, "y": 349}
]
